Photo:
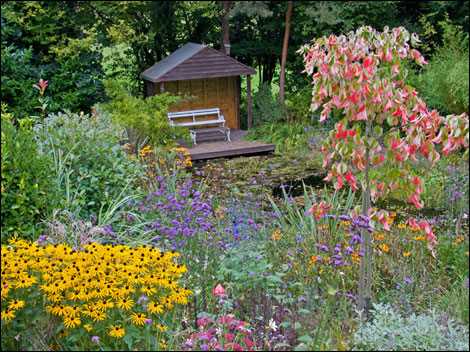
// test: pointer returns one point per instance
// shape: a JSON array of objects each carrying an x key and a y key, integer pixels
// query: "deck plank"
[{"x": 238, "y": 147}]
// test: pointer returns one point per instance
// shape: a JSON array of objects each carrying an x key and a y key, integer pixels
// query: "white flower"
[{"x": 272, "y": 325}]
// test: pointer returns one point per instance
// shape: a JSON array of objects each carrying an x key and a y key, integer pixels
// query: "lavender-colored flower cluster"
[{"x": 176, "y": 212}]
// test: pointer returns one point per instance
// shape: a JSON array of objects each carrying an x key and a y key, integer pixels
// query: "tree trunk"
[
  {"x": 249, "y": 102},
  {"x": 365, "y": 275},
  {"x": 225, "y": 39},
  {"x": 285, "y": 45}
]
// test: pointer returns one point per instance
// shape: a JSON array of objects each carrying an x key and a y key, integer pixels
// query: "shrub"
[
  {"x": 266, "y": 108},
  {"x": 90, "y": 166},
  {"x": 390, "y": 331},
  {"x": 145, "y": 119},
  {"x": 444, "y": 82},
  {"x": 27, "y": 185},
  {"x": 298, "y": 105},
  {"x": 18, "y": 77},
  {"x": 119, "y": 64}
]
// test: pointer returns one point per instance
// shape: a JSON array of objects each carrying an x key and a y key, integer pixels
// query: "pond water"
[{"x": 295, "y": 187}]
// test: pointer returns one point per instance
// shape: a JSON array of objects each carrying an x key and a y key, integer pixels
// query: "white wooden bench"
[{"x": 219, "y": 122}]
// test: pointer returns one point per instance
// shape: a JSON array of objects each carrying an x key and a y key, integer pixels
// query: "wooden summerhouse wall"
[{"x": 221, "y": 92}]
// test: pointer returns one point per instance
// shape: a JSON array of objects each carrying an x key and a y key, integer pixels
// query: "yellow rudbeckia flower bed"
[{"x": 100, "y": 289}]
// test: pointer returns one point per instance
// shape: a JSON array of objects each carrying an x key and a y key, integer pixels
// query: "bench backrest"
[{"x": 194, "y": 113}]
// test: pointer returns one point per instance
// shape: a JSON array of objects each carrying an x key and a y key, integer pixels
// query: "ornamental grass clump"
[{"x": 98, "y": 290}]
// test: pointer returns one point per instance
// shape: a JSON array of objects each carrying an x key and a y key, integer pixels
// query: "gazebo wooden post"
[
  {"x": 249, "y": 102},
  {"x": 162, "y": 87}
]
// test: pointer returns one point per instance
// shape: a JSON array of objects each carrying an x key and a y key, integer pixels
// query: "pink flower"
[
  {"x": 218, "y": 291},
  {"x": 232, "y": 346},
  {"x": 43, "y": 84},
  {"x": 248, "y": 343},
  {"x": 229, "y": 337},
  {"x": 226, "y": 319},
  {"x": 202, "y": 322}
]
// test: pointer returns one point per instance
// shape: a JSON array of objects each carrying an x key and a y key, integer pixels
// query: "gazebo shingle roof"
[{"x": 195, "y": 61}]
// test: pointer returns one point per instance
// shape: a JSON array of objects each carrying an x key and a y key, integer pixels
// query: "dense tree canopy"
[{"x": 65, "y": 41}]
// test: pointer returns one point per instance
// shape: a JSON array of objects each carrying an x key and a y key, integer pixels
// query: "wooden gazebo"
[{"x": 209, "y": 76}]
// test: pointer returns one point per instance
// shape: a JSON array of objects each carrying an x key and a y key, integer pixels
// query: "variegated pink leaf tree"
[{"x": 386, "y": 127}]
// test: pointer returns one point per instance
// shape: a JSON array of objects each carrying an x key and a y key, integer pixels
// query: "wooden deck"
[{"x": 222, "y": 149}]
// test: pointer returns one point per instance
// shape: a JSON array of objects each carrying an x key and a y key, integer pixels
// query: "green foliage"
[
  {"x": 246, "y": 269},
  {"x": 295, "y": 137},
  {"x": 444, "y": 81},
  {"x": 120, "y": 64},
  {"x": 265, "y": 106},
  {"x": 298, "y": 105},
  {"x": 27, "y": 186},
  {"x": 61, "y": 48},
  {"x": 18, "y": 77},
  {"x": 90, "y": 167},
  {"x": 145, "y": 118},
  {"x": 390, "y": 331}
]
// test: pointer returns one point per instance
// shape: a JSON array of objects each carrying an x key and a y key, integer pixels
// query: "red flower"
[
  {"x": 351, "y": 180},
  {"x": 339, "y": 182},
  {"x": 318, "y": 210}
]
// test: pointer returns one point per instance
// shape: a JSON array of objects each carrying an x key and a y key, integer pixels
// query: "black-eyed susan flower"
[
  {"x": 8, "y": 315},
  {"x": 116, "y": 331},
  {"x": 138, "y": 319},
  {"x": 155, "y": 308},
  {"x": 71, "y": 321},
  {"x": 16, "y": 304},
  {"x": 125, "y": 303}
]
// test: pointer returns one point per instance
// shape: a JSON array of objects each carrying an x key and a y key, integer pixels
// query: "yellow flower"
[
  {"x": 138, "y": 319},
  {"x": 276, "y": 235},
  {"x": 162, "y": 344},
  {"x": 355, "y": 257},
  {"x": 379, "y": 237},
  {"x": 384, "y": 248},
  {"x": 88, "y": 327},
  {"x": 406, "y": 254},
  {"x": 419, "y": 238},
  {"x": 401, "y": 226},
  {"x": 155, "y": 308},
  {"x": 8, "y": 315},
  {"x": 125, "y": 303},
  {"x": 71, "y": 322},
  {"x": 459, "y": 239},
  {"x": 145, "y": 151},
  {"x": 16, "y": 304},
  {"x": 161, "y": 327},
  {"x": 116, "y": 331}
]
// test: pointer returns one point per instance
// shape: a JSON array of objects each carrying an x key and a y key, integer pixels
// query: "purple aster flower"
[
  {"x": 355, "y": 239},
  {"x": 42, "y": 239},
  {"x": 408, "y": 280},
  {"x": 95, "y": 339},
  {"x": 142, "y": 299},
  {"x": 323, "y": 247}
]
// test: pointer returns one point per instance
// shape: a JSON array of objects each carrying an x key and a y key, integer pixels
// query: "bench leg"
[
  {"x": 193, "y": 136},
  {"x": 228, "y": 135}
]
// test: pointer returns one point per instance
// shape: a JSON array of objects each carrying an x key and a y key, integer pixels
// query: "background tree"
[{"x": 285, "y": 45}]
